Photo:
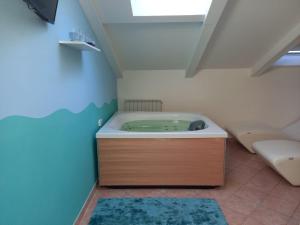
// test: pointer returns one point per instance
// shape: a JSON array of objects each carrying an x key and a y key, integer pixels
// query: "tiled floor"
[{"x": 253, "y": 195}]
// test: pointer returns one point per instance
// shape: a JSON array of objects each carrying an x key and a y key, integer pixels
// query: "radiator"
[{"x": 149, "y": 105}]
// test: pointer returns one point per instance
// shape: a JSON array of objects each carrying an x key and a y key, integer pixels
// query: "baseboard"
[{"x": 87, "y": 201}]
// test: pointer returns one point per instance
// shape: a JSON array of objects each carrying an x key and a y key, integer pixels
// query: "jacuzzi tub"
[
  {"x": 177, "y": 158},
  {"x": 112, "y": 129}
]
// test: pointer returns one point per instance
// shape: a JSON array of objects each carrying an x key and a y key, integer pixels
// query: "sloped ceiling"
[
  {"x": 248, "y": 29},
  {"x": 245, "y": 31},
  {"x": 154, "y": 46},
  {"x": 149, "y": 43}
]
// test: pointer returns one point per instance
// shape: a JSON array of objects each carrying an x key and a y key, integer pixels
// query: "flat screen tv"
[{"x": 45, "y": 9}]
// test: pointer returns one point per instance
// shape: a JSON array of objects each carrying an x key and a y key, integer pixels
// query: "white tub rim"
[{"x": 111, "y": 128}]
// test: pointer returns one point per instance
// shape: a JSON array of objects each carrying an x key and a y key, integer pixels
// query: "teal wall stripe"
[{"x": 48, "y": 165}]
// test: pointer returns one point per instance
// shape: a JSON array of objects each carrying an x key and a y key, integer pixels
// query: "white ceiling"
[
  {"x": 149, "y": 43},
  {"x": 153, "y": 46},
  {"x": 247, "y": 30}
]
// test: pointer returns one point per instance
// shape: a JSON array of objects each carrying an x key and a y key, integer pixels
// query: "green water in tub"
[{"x": 156, "y": 125}]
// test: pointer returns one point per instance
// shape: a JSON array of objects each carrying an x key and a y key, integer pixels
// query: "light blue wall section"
[
  {"x": 50, "y": 100},
  {"x": 38, "y": 76}
]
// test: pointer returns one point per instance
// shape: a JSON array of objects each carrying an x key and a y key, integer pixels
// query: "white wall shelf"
[{"x": 80, "y": 45}]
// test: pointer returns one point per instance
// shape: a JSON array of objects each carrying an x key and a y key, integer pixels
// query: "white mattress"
[
  {"x": 275, "y": 151},
  {"x": 246, "y": 128}
]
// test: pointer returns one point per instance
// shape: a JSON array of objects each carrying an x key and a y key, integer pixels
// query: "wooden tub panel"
[{"x": 161, "y": 161}]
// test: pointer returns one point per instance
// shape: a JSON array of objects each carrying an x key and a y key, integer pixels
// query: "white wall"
[{"x": 225, "y": 96}]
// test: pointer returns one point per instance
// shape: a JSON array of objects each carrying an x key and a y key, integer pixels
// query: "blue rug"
[{"x": 157, "y": 211}]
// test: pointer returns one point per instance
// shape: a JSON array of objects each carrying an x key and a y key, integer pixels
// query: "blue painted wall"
[
  {"x": 43, "y": 74},
  {"x": 50, "y": 100}
]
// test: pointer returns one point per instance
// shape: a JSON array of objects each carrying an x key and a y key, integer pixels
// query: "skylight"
[{"x": 170, "y": 7}]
